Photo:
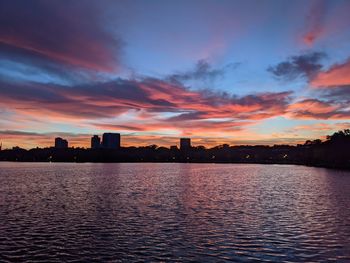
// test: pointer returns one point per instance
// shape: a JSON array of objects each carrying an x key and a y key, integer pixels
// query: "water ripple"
[{"x": 173, "y": 213}]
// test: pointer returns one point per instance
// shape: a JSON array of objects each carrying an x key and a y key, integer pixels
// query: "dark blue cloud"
[{"x": 305, "y": 65}]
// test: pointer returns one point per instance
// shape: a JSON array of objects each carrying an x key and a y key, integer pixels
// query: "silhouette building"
[
  {"x": 95, "y": 142},
  {"x": 185, "y": 143},
  {"x": 61, "y": 143},
  {"x": 111, "y": 140}
]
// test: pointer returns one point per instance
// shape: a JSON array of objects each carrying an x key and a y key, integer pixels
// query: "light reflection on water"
[{"x": 173, "y": 212}]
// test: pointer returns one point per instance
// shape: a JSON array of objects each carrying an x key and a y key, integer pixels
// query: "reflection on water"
[{"x": 173, "y": 212}]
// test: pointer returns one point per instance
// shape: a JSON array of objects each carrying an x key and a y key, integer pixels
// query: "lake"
[{"x": 69, "y": 212}]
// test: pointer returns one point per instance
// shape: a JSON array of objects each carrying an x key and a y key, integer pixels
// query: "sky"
[{"x": 235, "y": 72}]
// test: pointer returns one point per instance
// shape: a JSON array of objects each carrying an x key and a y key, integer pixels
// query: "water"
[{"x": 173, "y": 212}]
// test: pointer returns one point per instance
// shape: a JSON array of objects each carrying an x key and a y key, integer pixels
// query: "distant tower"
[
  {"x": 111, "y": 140},
  {"x": 185, "y": 143},
  {"x": 61, "y": 143},
  {"x": 95, "y": 142}
]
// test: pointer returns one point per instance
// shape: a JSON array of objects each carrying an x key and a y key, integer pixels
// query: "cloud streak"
[
  {"x": 318, "y": 109},
  {"x": 202, "y": 71},
  {"x": 69, "y": 34},
  {"x": 315, "y": 22},
  {"x": 110, "y": 99},
  {"x": 337, "y": 75}
]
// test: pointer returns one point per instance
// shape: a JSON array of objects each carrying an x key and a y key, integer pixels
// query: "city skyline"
[
  {"x": 228, "y": 72},
  {"x": 107, "y": 141}
]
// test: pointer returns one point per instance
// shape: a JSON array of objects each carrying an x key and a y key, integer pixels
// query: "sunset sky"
[{"x": 236, "y": 72}]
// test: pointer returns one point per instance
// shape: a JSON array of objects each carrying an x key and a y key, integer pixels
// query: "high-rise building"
[
  {"x": 185, "y": 143},
  {"x": 95, "y": 142},
  {"x": 61, "y": 143},
  {"x": 111, "y": 140}
]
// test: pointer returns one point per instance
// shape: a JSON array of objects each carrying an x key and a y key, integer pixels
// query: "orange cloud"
[
  {"x": 108, "y": 100},
  {"x": 321, "y": 127},
  {"x": 316, "y": 109},
  {"x": 312, "y": 106},
  {"x": 28, "y": 140},
  {"x": 337, "y": 75},
  {"x": 164, "y": 108},
  {"x": 180, "y": 127}
]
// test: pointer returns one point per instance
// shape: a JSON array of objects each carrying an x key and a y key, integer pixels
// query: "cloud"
[
  {"x": 154, "y": 99},
  {"x": 203, "y": 71},
  {"x": 188, "y": 128},
  {"x": 68, "y": 34},
  {"x": 18, "y": 133},
  {"x": 320, "y": 127},
  {"x": 337, "y": 75},
  {"x": 317, "y": 109},
  {"x": 339, "y": 94},
  {"x": 50, "y": 134},
  {"x": 23, "y": 64},
  {"x": 28, "y": 139},
  {"x": 326, "y": 21},
  {"x": 305, "y": 66},
  {"x": 315, "y": 20}
]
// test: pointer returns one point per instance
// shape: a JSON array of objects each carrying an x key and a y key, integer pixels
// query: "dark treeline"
[{"x": 333, "y": 152}]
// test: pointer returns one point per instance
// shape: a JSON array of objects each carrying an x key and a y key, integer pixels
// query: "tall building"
[
  {"x": 185, "y": 143},
  {"x": 61, "y": 143},
  {"x": 111, "y": 140},
  {"x": 95, "y": 142}
]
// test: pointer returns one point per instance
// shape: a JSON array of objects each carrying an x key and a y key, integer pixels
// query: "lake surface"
[{"x": 173, "y": 212}]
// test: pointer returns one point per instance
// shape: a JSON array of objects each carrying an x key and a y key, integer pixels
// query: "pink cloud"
[
  {"x": 315, "y": 22},
  {"x": 337, "y": 75},
  {"x": 317, "y": 109},
  {"x": 69, "y": 34},
  {"x": 326, "y": 20}
]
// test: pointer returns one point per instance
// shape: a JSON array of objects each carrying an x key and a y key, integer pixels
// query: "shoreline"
[{"x": 333, "y": 167}]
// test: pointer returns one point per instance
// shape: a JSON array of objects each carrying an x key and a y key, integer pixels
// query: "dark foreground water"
[{"x": 173, "y": 212}]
